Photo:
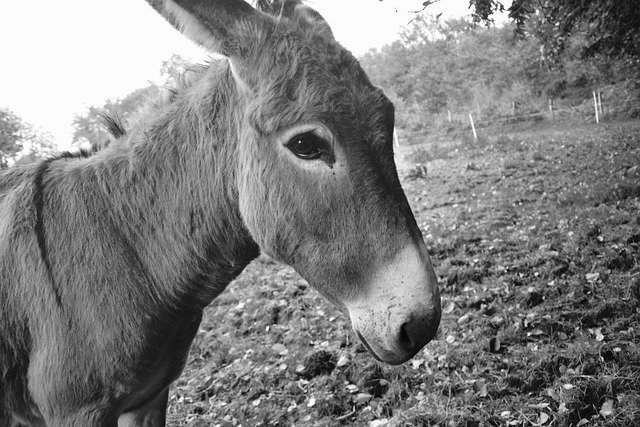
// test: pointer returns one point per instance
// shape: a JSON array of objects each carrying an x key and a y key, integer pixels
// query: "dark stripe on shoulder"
[{"x": 38, "y": 202}]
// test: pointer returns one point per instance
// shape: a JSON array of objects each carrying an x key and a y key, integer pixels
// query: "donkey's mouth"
[{"x": 368, "y": 347}]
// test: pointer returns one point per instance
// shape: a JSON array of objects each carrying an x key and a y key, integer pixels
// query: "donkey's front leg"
[{"x": 152, "y": 414}]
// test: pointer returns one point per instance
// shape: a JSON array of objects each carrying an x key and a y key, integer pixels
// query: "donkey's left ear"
[
  {"x": 313, "y": 18},
  {"x": 213, "y": 24},
  {"x": 297, "y": 11}
]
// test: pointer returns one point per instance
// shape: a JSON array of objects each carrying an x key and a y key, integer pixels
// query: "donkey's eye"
[{"x": 306, "y": 146}]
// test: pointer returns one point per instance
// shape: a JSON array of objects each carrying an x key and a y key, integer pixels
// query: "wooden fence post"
[
  {"x": 473, "y": 127},
  {"x": 600, "y": 102},
  {"x": 595, "y": 105}
]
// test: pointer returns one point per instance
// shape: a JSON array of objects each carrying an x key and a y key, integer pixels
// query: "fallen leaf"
[
  {"x": 449, "y": 307},
  {"x": 543, "y": 418},
  {"x": 352, "y": 388},
  {"x": 279, "y": 349},
  {"x": 494, "y": 345},
  {"x": 362, "y": 398},
  {"x": 592, "y": 277},
  {"x": 607, "y": 408},
  {"x": 464, "y": 318},
  {"x": 553, "y": 394},
  {"x": 416, "y": 363},
  {"x": 543, "y": 405},
  {"x": 342, "y": 361},
  {"x": 480, "y": 388}
]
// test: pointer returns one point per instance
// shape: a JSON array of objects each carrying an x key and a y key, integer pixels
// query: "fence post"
[
  {"x": 553, "y": 114},
  {"x": 595, "y": 105},
  {"x": 473, "y": 127},
  {"x": 600, "y": 102}
]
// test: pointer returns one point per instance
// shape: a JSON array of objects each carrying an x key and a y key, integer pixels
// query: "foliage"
[
  {"x": 20, "y": 142},
  {"x": 11, "y": 128},
  {"x": 609, "y": 27},
  {"x": 455, "y": 68},
  {"x": 90, "y": 129}
]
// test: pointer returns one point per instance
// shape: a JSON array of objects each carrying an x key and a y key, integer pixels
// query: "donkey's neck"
[{"x": 172, "y": 187}]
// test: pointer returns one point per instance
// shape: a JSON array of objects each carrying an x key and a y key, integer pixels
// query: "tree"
[
  {"x": 11, "y": 128},
  {"x": 20, "y": 142},
  {"x": 608, "y": 26},
  {"x": 90, "y": 128}
]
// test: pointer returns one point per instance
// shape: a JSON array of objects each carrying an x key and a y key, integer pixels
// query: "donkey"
[{"x": 282, "y": 146}]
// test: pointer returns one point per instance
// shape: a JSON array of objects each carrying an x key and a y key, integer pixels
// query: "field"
[{"x": 535, "y": 236}]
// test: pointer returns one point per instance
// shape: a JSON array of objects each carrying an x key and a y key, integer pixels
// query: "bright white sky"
[{"x": 60, "y": 57}]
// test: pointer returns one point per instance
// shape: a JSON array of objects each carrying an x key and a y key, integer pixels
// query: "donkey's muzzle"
[{"x": 400, "y": 312}]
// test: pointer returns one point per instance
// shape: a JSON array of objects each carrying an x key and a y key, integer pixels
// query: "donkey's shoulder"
[{"x": 16, "y": 177}]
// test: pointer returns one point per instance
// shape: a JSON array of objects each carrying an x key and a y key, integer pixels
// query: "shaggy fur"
[{"x": 107, "y": 261}]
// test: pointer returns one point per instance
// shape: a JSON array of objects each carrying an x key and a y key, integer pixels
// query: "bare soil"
[{"x": 535, "y": 235}]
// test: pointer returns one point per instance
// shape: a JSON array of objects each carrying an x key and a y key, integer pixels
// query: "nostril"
[
  {"x": 407, "y": 338},
  {"x": 416, "y": 333}
]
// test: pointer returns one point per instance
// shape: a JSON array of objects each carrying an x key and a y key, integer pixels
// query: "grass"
[{"x": 537, "y": 247}]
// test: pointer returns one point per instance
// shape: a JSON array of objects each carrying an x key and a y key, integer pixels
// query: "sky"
[{"x": 61, "y": 57}]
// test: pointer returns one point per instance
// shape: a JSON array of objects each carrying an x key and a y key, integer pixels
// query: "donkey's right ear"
[{"x": 213, "y": 24}]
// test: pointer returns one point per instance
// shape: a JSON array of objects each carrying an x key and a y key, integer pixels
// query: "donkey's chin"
[
  {"x": 391, "y": 354},
  {"x": 385, "y": 356}
]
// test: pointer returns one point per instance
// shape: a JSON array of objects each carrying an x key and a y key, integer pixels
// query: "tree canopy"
[
  {"x": 20, "y": 142},
  {"x": 11, "y": 128},
  {"x": 608, "y": 26},
  {"x": 457, "y": 66},
  {"x": 89, "y": 128}
]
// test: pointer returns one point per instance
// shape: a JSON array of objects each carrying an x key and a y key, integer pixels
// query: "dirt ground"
[{"x": 535, "y": 236}]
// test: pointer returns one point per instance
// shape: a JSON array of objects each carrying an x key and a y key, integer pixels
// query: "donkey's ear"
[
  {"x": 298, "y": 12},
  {"x": 313, "y": 18},
  {"x": 212, "y": 24}
]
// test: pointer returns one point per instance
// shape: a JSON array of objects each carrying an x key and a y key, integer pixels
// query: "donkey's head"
[{"x": 316, "y": 180}]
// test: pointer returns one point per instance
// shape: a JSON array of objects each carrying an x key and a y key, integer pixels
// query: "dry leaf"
[
  {"x": 543, "y": 418},
  {"x": 362, "y": 398},
  {"x": 449, "y": 307},
  {"x": 416, "y": 363},
  {"x": 480, "y": 388},
  {"x": 494, "y": 345},
  {"x": 342, "y": 361},
  {"x": 592, "y": 277},
  {"x": 607, "y": 408}
]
